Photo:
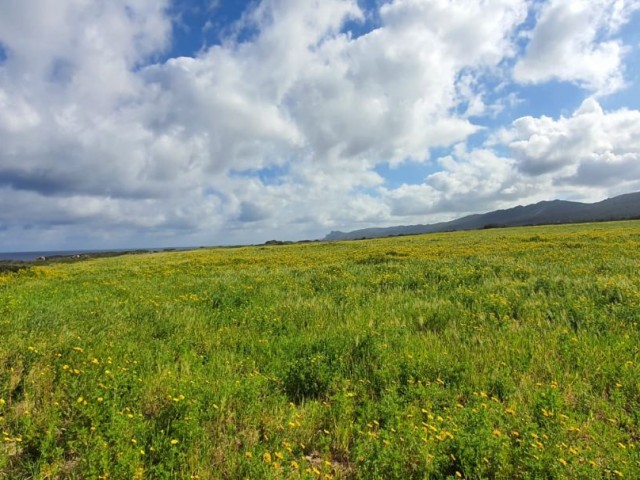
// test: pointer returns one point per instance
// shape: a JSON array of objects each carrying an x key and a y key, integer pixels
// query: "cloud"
[
  {"x": 587, "y": 156},
  {"x": 276, "y": 130},
  {"x": 576, "y": 42},
  {"x": 589, "y": 148},
  {"x": 469, "y": 181}
]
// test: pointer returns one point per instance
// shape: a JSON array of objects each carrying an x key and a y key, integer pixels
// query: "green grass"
[{"x": 498, "y": 354}]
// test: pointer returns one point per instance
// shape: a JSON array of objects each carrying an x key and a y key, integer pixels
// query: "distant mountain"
[{"x": 623, "y": 207}]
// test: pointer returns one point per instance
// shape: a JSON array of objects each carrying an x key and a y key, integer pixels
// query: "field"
[{"x": 497, "y": 354}]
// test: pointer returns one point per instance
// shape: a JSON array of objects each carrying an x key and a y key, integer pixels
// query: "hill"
[
  {"x": 623, "y": 207},
  {"x": 489, "y": 354}
]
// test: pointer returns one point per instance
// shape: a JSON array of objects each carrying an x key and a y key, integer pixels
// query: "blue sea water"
[{"x": 30, "y": 256}]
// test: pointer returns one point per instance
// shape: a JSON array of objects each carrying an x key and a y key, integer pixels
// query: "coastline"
[{"x": 66, "y": 255}]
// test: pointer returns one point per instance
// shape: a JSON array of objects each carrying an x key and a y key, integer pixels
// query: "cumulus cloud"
[
  {"x": 277, "y": 129},
  {"x": 589, "y": 148},
  {"x": 588, "y": 155},
  {"x": 469, "y": 181},
  {"x": 576, "y": 41}
]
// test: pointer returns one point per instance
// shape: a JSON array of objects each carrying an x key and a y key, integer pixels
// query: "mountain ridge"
[{"x": 547, "y": 212}]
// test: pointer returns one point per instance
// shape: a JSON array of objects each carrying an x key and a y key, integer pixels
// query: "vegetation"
[{"x": 498, "y": 354}]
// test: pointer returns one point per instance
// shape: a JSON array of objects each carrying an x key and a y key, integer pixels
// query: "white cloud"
[
  {"x": 587, "y": 156},
  {"x": 469, "y": 182},
  {"x": 576, "y": 41},
  {"x": 590, "y": 148},
  {"x": 99, "y": 137},
  {"x": 91, "y": 124}
]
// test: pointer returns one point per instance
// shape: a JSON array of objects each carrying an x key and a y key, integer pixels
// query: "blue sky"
[{"x": 138, "y": 123}]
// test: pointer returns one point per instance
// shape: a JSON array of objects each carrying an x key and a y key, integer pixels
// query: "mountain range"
[{"x": 623, "y": 207}]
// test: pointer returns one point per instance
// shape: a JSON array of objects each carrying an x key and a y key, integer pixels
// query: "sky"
[{"x": 151, "y": 123}]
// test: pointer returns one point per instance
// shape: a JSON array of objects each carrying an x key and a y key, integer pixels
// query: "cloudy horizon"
[{"x": 142, "y": 123}]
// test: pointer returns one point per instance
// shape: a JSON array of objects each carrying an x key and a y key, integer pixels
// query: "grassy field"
[{"x": 497, "y": 354}]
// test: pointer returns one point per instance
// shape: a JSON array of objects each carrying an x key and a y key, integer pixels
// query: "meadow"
[{"x": 494, "y": 354}]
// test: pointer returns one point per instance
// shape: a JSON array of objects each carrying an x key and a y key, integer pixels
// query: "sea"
[{"x": 30, "y": 256}]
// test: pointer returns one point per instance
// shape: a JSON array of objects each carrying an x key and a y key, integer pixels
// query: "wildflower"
[
  {"x": 266, "y": 457},
  {"x": 248, "y": 454},
  {"x": 563, "y": 462},
  {"x": 294, "y": 465},
  {"x": 175, "y": 441},
  {"x": 80, "y": 400}
]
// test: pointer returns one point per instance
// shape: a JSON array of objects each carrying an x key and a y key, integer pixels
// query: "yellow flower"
[
  {"x": 175, "y": 441},
  {"x": 563, "y": 462},
  {"x": 266, "y": 457}
]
